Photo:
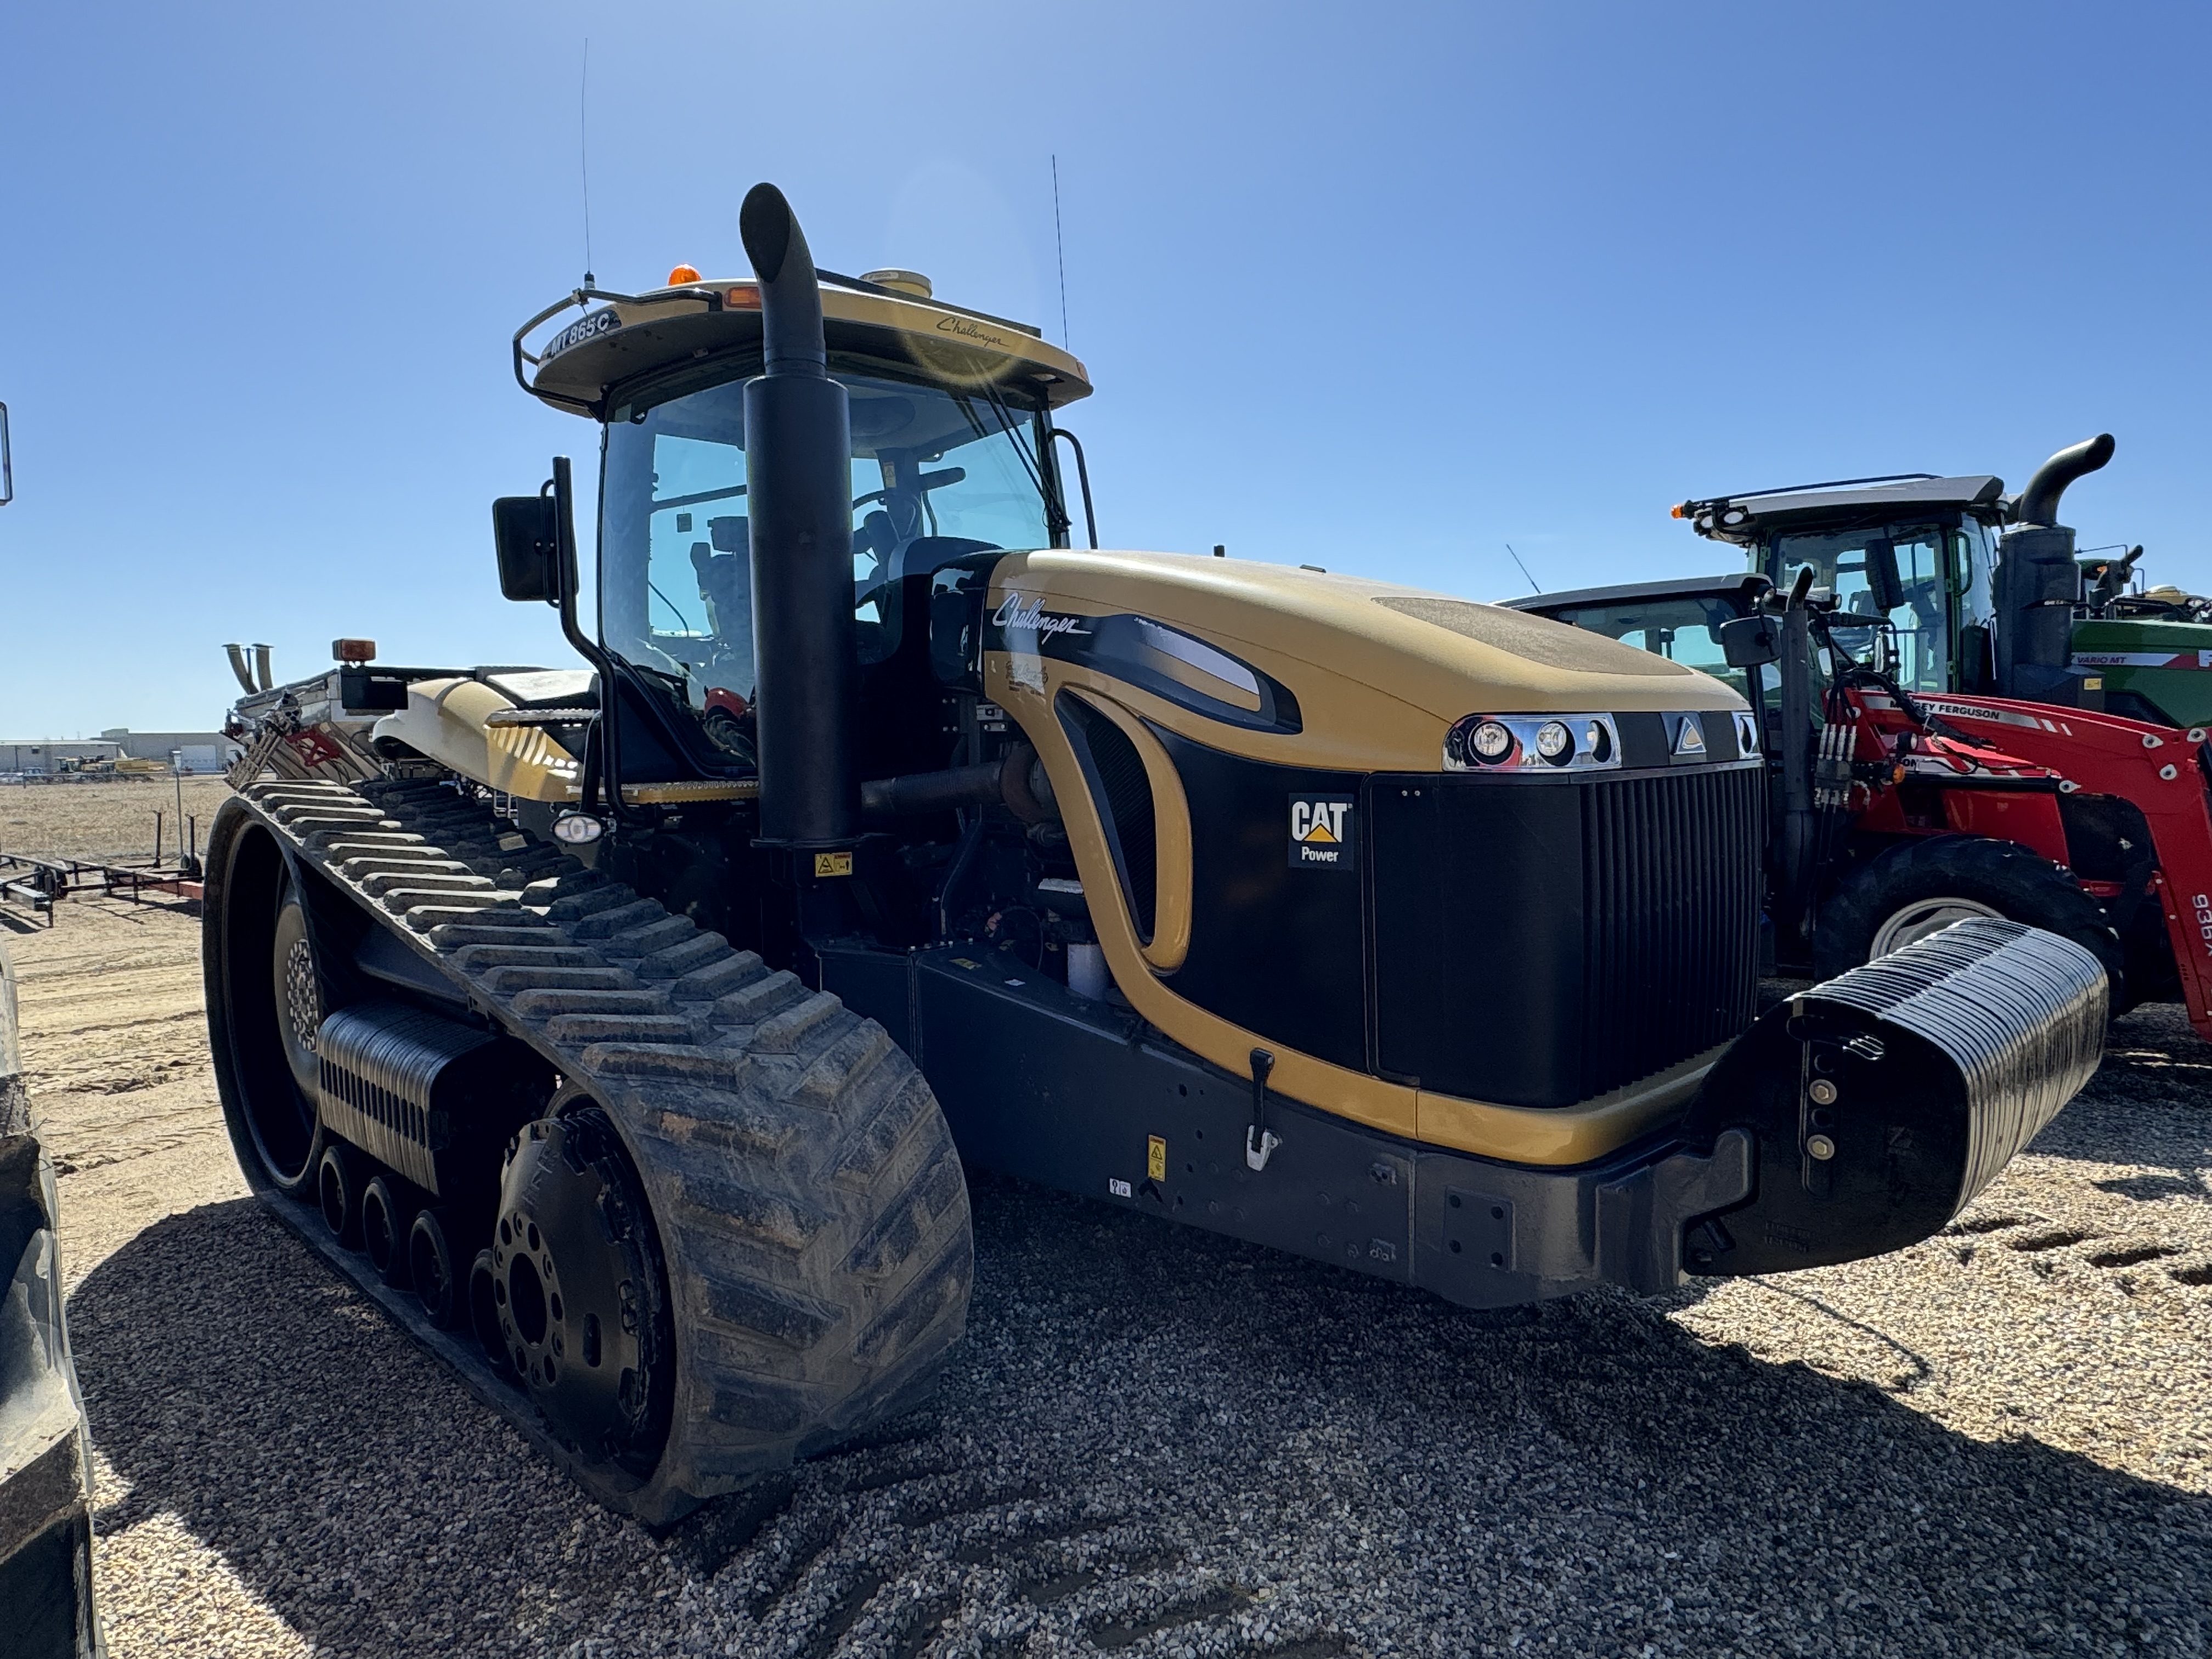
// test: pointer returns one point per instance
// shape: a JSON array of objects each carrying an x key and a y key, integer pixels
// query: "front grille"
[
  {"x": 1540, "y": 943},
  {"x": 1670, "y": 924}
]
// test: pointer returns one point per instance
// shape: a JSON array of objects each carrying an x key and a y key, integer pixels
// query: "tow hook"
[{"x": 1259, "y": 1141}]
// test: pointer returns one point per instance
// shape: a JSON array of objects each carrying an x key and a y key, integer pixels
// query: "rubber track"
[{"x": 810, "y": 1205}]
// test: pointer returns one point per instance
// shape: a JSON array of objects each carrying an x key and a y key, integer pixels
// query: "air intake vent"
[{"x": 1123, "y": 795}]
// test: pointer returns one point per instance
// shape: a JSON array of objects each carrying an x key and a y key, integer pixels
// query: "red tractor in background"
[{"x": 1940, "y": 743}]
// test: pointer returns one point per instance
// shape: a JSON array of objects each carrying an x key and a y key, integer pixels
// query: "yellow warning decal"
[
  {"x": 833, "y": 864},
  {"x": 1156, "y": 1157}
]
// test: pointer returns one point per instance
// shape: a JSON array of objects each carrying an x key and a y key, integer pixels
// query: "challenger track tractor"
[
  {"x": 626, "y": 1029},
  {"x": 1965, "y": 719}
]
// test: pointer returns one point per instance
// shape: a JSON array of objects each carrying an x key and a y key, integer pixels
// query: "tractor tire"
[
  {"x": 791, "y": 1256},
  {"x": 1914, "y": 889}
]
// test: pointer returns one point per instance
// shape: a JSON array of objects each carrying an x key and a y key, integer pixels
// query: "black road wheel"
[
  {"x": 265, "y": 1000},
  {"x": 386, "y": 1212},
  {"x": 581, "y": 1292},
  {"x": 441, "y": 1283},
  {"x": 339, "y": 1191},
  {"x": 484, "y": 1291},
  {"x": 1923, "y": 886}
]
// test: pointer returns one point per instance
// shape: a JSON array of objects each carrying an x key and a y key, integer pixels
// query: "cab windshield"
[
  {"x": 1838, "y": 562},
  {"x": 1684, "y": 630},
  {"x": 936, "y": 473}
]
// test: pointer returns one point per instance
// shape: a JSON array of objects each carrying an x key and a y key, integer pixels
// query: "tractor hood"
[{"x": 1301, "y": 666}]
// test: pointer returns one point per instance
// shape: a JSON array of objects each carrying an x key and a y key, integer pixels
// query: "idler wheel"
[
  {"x": 299, "y": 990},
  {"x": 272, "y": 1007},
  {"x": 580, "y": 1292}
]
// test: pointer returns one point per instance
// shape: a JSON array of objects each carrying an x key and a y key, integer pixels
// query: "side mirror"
[
  {"x": 1881, "y": 575},
  {"x": 1751, "y": 642},
  {"x": 526, "y": 530}
]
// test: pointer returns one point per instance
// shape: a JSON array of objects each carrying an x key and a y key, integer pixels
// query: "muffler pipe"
[
  {"x": 2039, "y": 502},
  {"x": 798, "y": 497},
  {"x": 1005, "y": 782},
  {"x": 2038, "y": 583},
  {"x": 261, "y": 668}
]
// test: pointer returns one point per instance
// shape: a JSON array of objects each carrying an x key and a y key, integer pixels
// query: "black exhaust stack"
[
  {"x": 2039, "y": 502},
  {"x": 2038, "y": 583},
  {"x": 798, "y": 498}
]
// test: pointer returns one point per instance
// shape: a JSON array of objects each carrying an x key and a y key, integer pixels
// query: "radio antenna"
[
  {"x": 1059, "y": 246},
  {"x": 584, "y": 156},
  {"x": 1532, "y": 588}
]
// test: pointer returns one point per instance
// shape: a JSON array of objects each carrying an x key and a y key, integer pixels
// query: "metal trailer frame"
[{"x": 38, "y": 884}]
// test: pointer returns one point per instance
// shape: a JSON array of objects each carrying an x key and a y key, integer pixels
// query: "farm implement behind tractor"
[{"x": 1963, "y": 719}]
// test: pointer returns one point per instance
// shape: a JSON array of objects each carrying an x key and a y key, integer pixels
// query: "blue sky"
[{"x": 1380, "y": 288}]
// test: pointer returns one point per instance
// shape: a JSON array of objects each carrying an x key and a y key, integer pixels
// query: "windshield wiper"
[{"x": 686, "y": 621}]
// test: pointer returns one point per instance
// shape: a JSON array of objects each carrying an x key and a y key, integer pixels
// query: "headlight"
[
  {"x": 1491, "y": 741},
  {"x": 1746, "y": 734},
  {"x": 1541, "y": 743},
  {"x": 578, "y": 828}
]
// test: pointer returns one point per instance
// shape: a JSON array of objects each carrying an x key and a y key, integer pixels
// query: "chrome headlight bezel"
[{"x": 1593, "y": 745}]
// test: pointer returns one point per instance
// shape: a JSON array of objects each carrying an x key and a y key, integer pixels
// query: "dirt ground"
[
  {"x": 1997, "y": 1441},
  {"x": 110, "y": 823}
]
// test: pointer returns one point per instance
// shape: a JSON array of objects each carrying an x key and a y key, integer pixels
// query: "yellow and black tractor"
[{"x": 630, "y": 1026}]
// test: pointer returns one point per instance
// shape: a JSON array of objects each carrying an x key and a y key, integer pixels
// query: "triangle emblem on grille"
[{"x": 1690, "y": 737}]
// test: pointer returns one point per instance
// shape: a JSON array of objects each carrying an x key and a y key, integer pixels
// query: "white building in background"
[
  {"x": 193, "y": 751},
  {"x": 42, "y": 755}
]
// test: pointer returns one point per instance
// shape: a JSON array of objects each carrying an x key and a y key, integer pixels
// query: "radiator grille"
[{"x": 1670, "y": 921}]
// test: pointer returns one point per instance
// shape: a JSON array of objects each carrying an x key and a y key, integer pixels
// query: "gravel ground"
[{"x": 1159, "y": 1442}]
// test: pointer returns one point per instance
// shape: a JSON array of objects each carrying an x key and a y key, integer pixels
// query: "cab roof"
[
  {"x": 633, "y": 335},
  {"x": 1739, "y": 584},
  {"x": 1847, "y": 504}
]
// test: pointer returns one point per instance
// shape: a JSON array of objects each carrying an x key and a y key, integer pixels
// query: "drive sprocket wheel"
[{"x": 582, "y": 1291}]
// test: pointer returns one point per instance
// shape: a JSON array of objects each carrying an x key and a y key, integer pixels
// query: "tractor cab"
[
  {"x": 1900, "y": 570},
  {"x": 1914, "y": 557},
  {"x": 1968, "y": 590},
  {"x": 952, "y": 453}
]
